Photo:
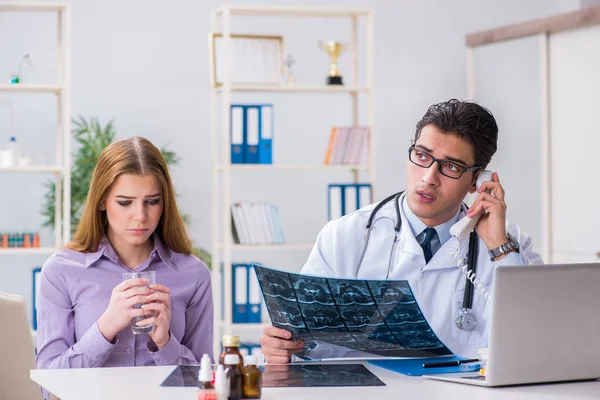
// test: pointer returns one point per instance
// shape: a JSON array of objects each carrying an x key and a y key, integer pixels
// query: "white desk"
[{"x": 143, "y": 383}]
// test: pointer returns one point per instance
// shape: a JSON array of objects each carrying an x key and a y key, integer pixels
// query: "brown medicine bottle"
[
  {"x": 251, "y": 379},
  {"x": 234, "y": 376},
  {"x": 231, "y": 345}
]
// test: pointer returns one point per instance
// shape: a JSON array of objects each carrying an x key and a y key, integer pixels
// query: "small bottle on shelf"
[
  {"x": 25, "y": 69},
  {"x": 11, "y": 153}
]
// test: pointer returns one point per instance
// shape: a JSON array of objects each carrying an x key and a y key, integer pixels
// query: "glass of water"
[{"x": 151, "y": 276}]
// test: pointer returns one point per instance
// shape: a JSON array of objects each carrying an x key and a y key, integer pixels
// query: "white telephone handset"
[{"x": 463, "y": 228}]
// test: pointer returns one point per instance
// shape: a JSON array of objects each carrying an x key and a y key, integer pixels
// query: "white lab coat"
[{"x": 438, "y": 286}]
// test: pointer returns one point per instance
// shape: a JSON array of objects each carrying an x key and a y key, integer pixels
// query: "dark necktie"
[{"x": 426, "y": 245}]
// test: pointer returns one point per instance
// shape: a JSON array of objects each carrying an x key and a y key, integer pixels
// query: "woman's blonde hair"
[{"x": 129, "y": 156}]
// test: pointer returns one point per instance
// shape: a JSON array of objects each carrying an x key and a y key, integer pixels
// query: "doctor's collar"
[{"x": 417, "y": 226}]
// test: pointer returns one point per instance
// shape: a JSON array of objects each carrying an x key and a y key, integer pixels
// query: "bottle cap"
[
  {"x": 205, "y": 374},
  {"x": 231, "y": 359},
  {"x": 250, "y": 360},
  {"x": 231, "y": 341}
]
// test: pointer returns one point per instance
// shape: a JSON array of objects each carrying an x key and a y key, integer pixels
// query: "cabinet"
[
  {"x": 61, "y": 90},
  {"x": 224, "y": 250}
]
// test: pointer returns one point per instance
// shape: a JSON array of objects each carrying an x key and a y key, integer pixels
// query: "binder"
[
  {"x": 246, "y": 294},
  {"x": 237, "y": 133},
  {"x": 249, "y": 348},
  {"x": 252, "y": 125},
  {"x": 345, "y": 198},
  {"x": 265, "y": 142},
  {"x": 35, "y": 280},
  {"x": 365, "y": 196},
  {"x": 335, "y": 201},
  {"x": 254, "y": 297},
  {"x": 240, "y": 292}
]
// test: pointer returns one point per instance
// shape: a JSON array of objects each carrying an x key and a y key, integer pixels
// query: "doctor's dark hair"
[{"x": 467, "y": 120}]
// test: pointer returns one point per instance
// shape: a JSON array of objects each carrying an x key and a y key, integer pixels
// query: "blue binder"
[
  {"x": 246, "y": 294},
  {"x": 239, "y": 292},
  {"x": 252, "y": 135},
  {"x": 265, "y": 141},
  {"x": 345, "y": 198},
  {"x": 35, "y": 283},
  {"x": 237, "y": 133},
  {"x": 247, "y": 348}
]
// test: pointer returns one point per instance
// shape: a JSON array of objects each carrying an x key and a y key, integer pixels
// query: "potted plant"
[{"x": 92, "y": 139}]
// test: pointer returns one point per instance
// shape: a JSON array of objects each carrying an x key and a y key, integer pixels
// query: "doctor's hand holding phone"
[{"x": 490, "y": 204}]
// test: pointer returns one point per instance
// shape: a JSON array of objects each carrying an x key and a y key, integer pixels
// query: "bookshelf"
[
  {"x": 62, "y": 91},
  {"x": 223, "y": 247}
]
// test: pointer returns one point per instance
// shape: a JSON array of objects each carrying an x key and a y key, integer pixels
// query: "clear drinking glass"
[{"x": 151, "y": 276}]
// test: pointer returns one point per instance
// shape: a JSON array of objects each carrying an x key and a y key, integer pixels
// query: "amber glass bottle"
[
  {"x": 234, "y": 375},
  {"x": 231, "y": 345},
  {"x": 251, "y": 379}
]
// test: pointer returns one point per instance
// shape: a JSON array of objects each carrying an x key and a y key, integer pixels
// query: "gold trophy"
[{"x": 334, "y": 49}]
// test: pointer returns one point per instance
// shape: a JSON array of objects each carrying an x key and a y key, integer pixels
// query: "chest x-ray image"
[{"x": 378, "y": 317}]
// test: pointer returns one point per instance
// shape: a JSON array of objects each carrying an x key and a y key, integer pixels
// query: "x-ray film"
[{"x": 377, "y": 317}]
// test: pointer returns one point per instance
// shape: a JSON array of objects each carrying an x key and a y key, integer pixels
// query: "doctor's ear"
[{"x": 473, "y": 187}]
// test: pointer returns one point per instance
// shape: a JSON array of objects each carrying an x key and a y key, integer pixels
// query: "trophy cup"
[{"x": 334, "y": 49}]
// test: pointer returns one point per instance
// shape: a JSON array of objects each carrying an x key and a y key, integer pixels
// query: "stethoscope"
[{"x": 467, "y": 320}]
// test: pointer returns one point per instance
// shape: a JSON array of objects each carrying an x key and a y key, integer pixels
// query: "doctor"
[{"x": 453, "y": 143}]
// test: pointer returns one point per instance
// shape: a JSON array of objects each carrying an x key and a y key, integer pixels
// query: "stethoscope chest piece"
[{"x": 467, "y": 321}]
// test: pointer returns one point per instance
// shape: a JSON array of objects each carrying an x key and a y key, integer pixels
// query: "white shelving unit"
[
  {"x": 223, "y": 246},
  {"x": 62, "y": 89}
]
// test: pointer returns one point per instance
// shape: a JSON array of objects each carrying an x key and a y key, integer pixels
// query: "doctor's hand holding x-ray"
[{"x": 453, "y": 143}]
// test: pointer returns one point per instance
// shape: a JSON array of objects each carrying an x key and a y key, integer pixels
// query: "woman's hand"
[
  {"x": 160, "y": 305},
  {"x": 120, "y": 309}
]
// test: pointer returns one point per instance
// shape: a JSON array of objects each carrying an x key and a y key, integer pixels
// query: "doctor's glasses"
[{"x": 448, "y": 168}]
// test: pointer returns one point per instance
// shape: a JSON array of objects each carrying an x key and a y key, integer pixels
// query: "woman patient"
[{"x": 130, "y": 223}]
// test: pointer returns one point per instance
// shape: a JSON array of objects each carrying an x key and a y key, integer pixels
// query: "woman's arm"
[{"x": 57, "y": 347}]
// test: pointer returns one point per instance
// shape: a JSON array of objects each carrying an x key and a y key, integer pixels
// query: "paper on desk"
[{"x": 378, "y": 317}]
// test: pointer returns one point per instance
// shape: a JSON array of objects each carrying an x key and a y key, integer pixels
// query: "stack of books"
[
  {"x": 256, "y": 223},
  {"x": 348, "y": 145}
]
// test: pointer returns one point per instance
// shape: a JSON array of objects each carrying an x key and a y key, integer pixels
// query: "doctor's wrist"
[
  {"x": 510, "y": 245},
  {"x": 504, "y": 255}
]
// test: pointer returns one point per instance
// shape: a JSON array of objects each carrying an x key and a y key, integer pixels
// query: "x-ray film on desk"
[{"x": 381, "y": 318}]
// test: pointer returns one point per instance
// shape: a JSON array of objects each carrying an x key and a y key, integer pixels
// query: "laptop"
[{"x": 545, "y": 326}]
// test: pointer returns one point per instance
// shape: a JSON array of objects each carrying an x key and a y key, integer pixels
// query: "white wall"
[{"x": 145, "y": 63}]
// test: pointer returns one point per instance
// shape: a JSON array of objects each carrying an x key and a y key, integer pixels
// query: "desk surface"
[{"x": 144, "y": 383}]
